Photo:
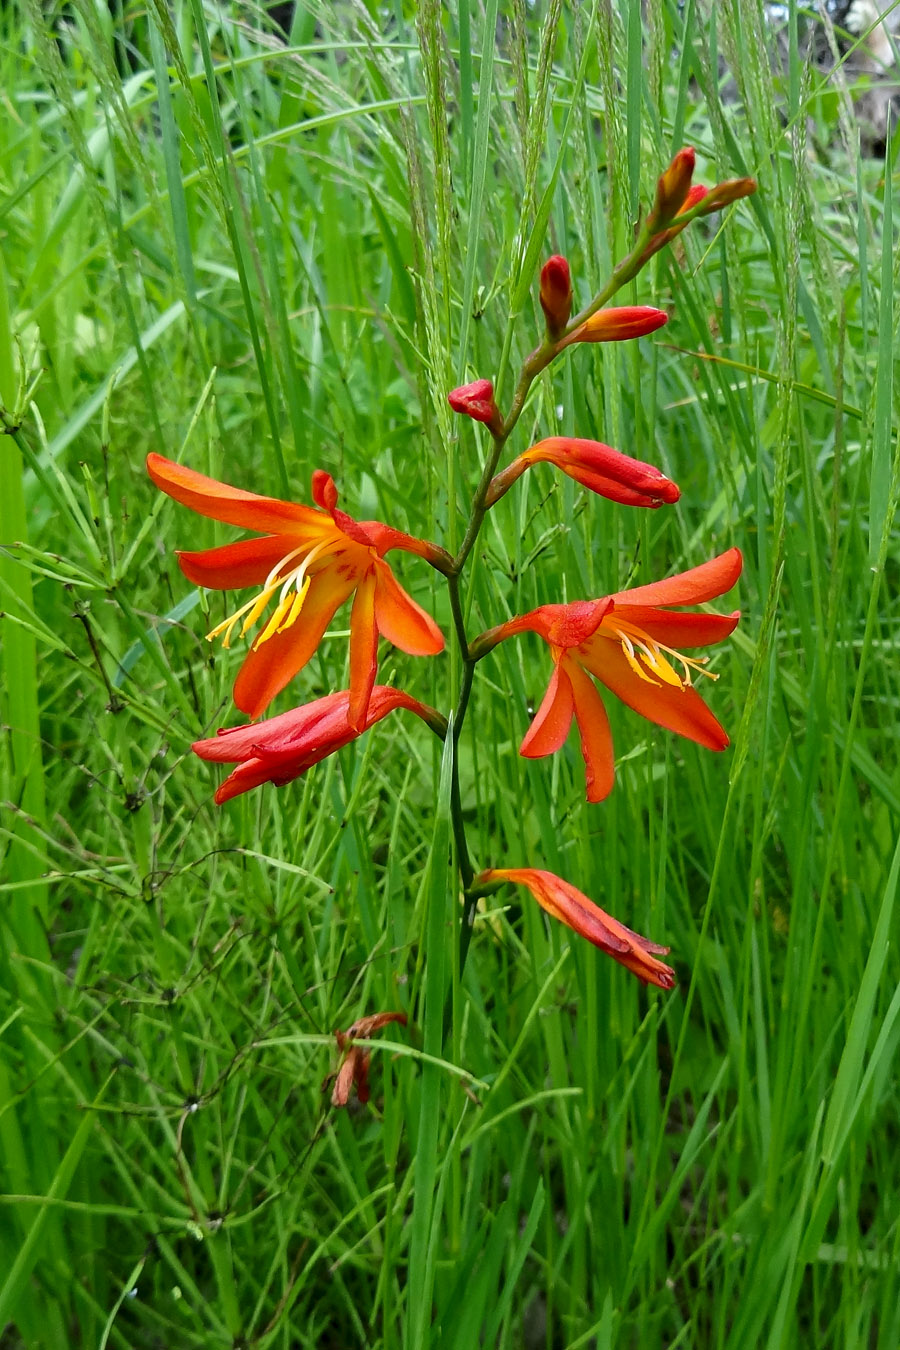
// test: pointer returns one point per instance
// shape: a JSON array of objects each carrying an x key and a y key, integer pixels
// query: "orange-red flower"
[
  {"x": 564, "y": 902},
  {"x": 313, "y": 560},
  {"x": 282, "y": 748},
  {"x": 618, "y": 324},
  {"x": 630, "y": 642},
  {"x": 597, "y": 467}
]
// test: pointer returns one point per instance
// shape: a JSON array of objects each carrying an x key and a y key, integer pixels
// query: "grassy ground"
[{"x": 265, "y": 259}]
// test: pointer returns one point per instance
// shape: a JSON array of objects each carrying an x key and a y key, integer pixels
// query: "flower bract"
[
  {"x": 307, "y": 561},
  {"x": 633, "y": 643},
  {"x": 566, "y": 903}
]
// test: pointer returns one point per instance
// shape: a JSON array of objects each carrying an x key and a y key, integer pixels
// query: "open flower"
[
  {"x": 595, "y": 466},
  {"x": 282, "y": 748},
  {"x": 312, "y": 560},
  {"x": 564, "y": 902},
  {"x": 631, "y": 642}
]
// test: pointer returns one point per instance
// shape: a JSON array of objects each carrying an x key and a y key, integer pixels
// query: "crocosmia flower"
[
  {"x": 282, "y": 748},
  {"x": 632, "y": 642},
  {"x": 595, "y": 466},
  {"x": 564, "y": 902},
  {"x": 308, "y": 562}
]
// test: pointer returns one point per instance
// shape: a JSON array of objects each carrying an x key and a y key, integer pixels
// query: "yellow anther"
[
  {"x": 282, "y": 609},
  {"x": 295, "y": 607},
  {"x": 649, "y": 662},
  {"x": 257, "y": 606}
]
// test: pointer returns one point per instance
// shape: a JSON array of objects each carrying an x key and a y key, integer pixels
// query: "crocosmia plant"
[{"x": 302, "y": 563}]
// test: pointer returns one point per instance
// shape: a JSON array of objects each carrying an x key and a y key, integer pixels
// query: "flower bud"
[
  {"x": 556, "y": 294},
  {"x": 476, "y": 400},
  {"x": 618, "y": 324},
  {"x": 672, "y": 189},
  {"x": 732, "y": 190}
]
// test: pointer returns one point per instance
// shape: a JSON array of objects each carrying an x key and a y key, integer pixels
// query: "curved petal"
[
  {"x": 596, "y": 736},
  {"x": 385, "y": 537},
  {"x": 250, "y": 774},
  {"x": 551, "y": 722},
  {"x": 234, "y": 506},
  {"x": 363, "y": 651},
  {"x": 276, "y": 735},
  {"x": 674, "y": 629},
  {"x": 246, "y": 563},
  {"x": 401, "y": 620},
  {"x": 273, "y": 664},
  {"x": 679, "y": 710},
  {"x": 689, "y": 588}
]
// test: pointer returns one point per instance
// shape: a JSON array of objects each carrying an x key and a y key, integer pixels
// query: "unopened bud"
[
  {"x": 672, "y": 189},
  {"x": 732, "y": 190},
  {"x": 618, "y": 324},
  {"x": 476, "y": 400},
  {"x": 556, "y": 294}
]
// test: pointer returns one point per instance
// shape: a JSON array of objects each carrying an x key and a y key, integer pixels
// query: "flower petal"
[
  {"x": 674, "y": 629},
  {"x": 234, "y": 506},
  {"x": 679, "y": 710},
  {"x": 689, "y": 588},
  {"x": 401, "y": 620},
  {"x": 246, "y": 563},
  {"x": 269, "y": 667},
  {"x": 363, "y": 651},
  {"x": 551, "y": 723},
  {"x": 596, "y": 736}
]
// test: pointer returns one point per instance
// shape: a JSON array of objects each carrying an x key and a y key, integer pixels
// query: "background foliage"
[{"x": 268, "y": 252}]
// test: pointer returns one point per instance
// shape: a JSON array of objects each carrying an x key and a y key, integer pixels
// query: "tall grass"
[{"x": 266, "y": 255}]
